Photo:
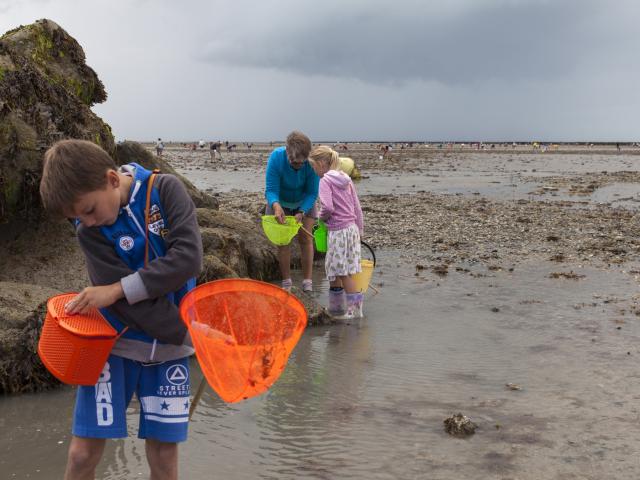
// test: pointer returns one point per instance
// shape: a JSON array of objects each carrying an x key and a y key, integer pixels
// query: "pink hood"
[{"x": 337, "y": 179}]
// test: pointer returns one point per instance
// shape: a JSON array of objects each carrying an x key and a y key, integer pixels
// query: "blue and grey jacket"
[{"x": 152, "y": 293}]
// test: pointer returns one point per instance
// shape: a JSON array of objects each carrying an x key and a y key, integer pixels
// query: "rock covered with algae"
[
  {"x": 459, "y": 425},
  {"x": 46, "y": 90}
]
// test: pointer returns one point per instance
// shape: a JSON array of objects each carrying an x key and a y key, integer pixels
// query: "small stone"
[{"x": 459, "y": 425}]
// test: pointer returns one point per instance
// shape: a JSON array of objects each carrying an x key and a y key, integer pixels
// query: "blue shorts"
[{"x": 162, "y": 389}]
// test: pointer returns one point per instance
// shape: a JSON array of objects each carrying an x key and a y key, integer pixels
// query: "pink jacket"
[{"x": 339, "y": 202}]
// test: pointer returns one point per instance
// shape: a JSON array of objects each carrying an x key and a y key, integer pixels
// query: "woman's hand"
[
  {"x": 298, "y": 217},
  {"x": 95, "y": 297},
  {"x": 278, "y": 212}
]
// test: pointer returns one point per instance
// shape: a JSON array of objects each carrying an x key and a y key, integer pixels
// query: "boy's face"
[{"x": 99, "y": 207}]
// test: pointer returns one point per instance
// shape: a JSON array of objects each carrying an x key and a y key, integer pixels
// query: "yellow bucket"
[{"x": 363, "y": 278}]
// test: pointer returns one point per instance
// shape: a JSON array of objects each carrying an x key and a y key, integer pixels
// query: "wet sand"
[{"x": 476, "y": 291}]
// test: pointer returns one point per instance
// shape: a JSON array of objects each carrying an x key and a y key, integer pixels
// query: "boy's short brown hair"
[
  {"x": 72, "y": 168},
  {"x": 298, "y": 145}
]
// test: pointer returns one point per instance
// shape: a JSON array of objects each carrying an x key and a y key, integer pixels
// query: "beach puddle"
[
  {"x": 368, "y": 399},
  {"x": 618, "y": 194}
]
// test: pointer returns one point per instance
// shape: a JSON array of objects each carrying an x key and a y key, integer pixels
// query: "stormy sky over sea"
[{"x": 458, "y": 70}]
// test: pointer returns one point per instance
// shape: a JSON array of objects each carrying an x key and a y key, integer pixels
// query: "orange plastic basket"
[
  {"x": 74, "y": 348},
  {"x": 243, "y": 332}
]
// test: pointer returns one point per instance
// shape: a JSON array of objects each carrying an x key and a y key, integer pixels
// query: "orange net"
[
  {"x": 243, "y": 332},
  {"x": 74, "y": 348}
]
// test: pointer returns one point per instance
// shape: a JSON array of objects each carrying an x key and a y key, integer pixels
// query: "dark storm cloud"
[{"x": 503, "y": 40}]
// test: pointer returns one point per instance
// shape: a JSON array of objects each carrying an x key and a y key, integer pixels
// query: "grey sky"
[{"x": 358, "y": 69}]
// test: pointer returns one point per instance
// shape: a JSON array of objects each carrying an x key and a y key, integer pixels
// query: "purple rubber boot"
[
  {"x": 337, "y": 302},
  {"x": 354, "y": 307}
]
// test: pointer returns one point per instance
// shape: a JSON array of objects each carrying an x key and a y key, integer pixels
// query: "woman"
[{"x": 292, "y": 189}]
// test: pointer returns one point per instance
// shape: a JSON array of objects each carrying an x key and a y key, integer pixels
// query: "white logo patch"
[
  {"x": 177, "y": 375},
  {"x": 156, "y": 223},
  {"x": 126, "y": 243}
]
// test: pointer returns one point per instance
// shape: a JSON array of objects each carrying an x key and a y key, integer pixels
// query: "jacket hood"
[{"x": 337, "y": 178}]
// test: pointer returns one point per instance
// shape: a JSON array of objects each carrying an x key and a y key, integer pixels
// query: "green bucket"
[
  {"x": 280, "y": 234},
  {"x": 320, "y": 232}
]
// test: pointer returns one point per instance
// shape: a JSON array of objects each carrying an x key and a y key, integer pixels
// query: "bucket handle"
[{"x": 373, "y": 254}]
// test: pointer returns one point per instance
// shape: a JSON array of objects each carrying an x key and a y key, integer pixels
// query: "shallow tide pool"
[{"x": 367, "y": 400}]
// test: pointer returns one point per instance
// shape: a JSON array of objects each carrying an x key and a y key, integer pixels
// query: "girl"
[{"x": 340, "y": 210}]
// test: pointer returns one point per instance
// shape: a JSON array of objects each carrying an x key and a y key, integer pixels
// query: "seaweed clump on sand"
[{"x": 459, "y": 425}]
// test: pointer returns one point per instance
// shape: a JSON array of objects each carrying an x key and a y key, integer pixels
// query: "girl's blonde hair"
[{"x": 325, "y": 156}]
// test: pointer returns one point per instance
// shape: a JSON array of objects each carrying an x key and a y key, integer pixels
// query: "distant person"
[
  {"x": 340, "y": 210},
  {"x": 151, "y": 358},
  {"x": 292, "y": 189},
  {"x": 214, "y": 151},
  {"x": 159, "y": 147},
  {"x": 201, "y": 143}
]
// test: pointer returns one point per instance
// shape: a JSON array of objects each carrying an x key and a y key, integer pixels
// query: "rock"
[
  {"x": 22, "y": 310},
  {"x": 441, "y": 270},
  {"x": 213, "y": 269},
  {"x": 127, "y": 152},
  {"x": 317, "y": 314},
  {"x": 46, "y": 91},
  {"x": 459, "y": 425},
  {"x": 568, "y": 275},
  {"x": 241, "y": 244}
]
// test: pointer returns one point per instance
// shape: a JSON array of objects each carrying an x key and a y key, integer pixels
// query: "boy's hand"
[
  {"x": 95, "y": 297},
  {"x": 298, "y": 217}
]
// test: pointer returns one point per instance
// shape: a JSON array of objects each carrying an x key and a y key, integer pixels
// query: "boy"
[{"x": 81, "y": 181}]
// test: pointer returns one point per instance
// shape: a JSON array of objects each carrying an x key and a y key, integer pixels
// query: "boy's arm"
[
  {"x": 157, "y": 317},
  {"x": 310, "y": 191},
  {"x": 183, "y": 258},
  {"x": 326, "y": 201}
]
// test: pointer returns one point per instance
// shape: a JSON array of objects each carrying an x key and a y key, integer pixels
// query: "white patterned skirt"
[{"x": 343, "y": 253}]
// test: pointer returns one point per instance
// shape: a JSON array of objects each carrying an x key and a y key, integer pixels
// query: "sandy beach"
[
  {"x": 508, "y": 292},
  {"x": 495, "y": 209}
]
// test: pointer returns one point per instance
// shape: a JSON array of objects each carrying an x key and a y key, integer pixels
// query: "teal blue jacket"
[{"x": 294, "y": 189}]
